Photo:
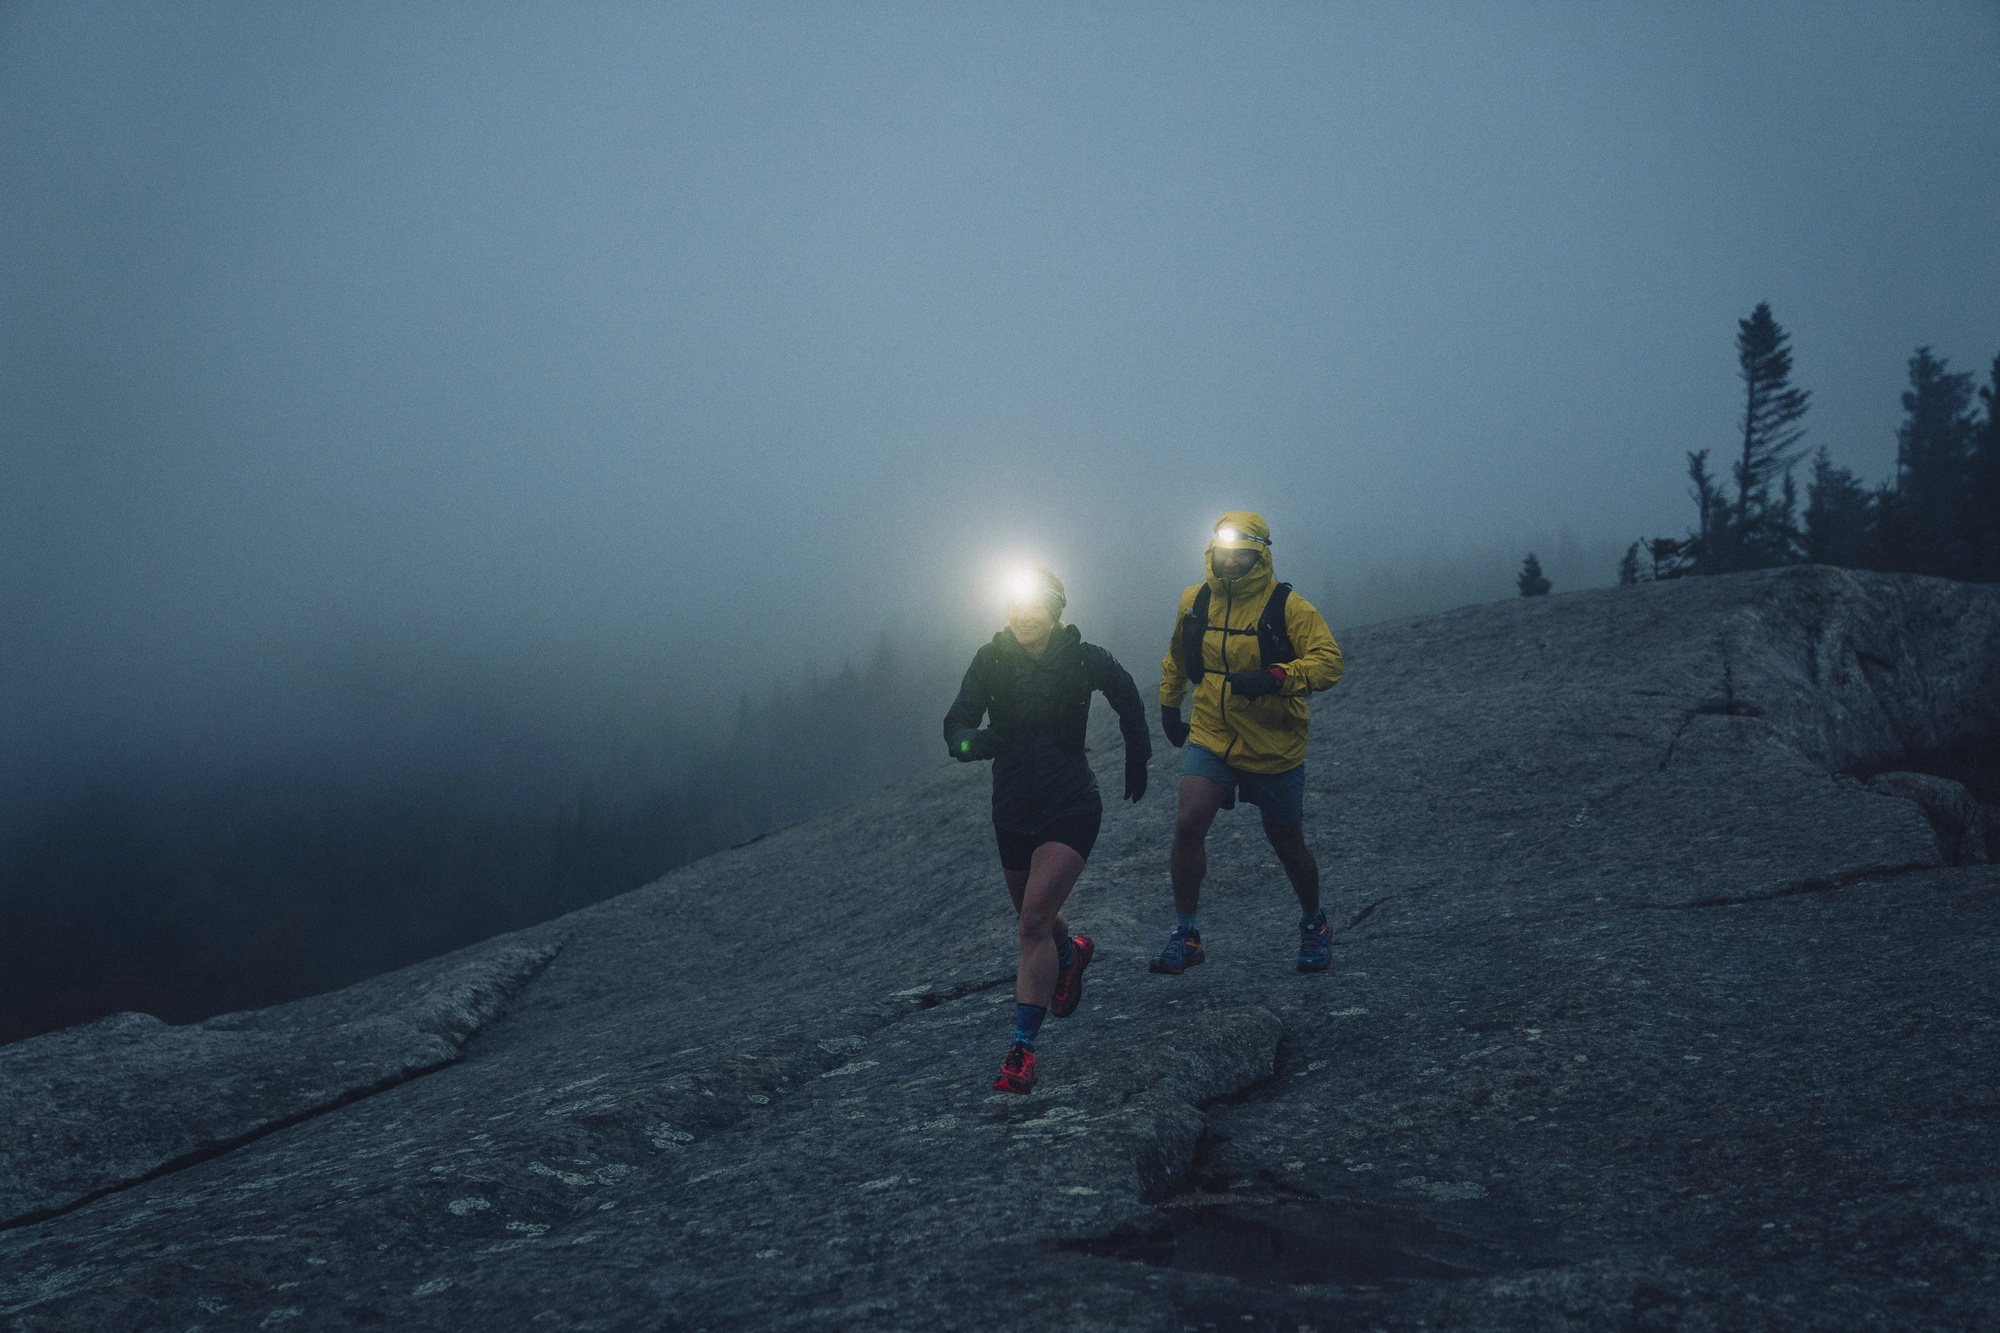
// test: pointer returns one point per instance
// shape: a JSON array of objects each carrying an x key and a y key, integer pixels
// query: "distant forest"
[
  {"x": 141, "y": 892},
  {"x": 1939, "y": 514}
]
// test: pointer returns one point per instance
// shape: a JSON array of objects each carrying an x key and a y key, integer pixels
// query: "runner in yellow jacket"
[{"x": 1248, "y": 731}]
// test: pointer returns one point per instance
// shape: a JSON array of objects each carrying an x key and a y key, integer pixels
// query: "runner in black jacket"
[{"x": 1034, "y": 680}]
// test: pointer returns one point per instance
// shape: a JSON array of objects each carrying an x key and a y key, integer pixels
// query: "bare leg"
[
  {"x": 1200, "y": 798},
  {"x": 1289, "y": 842},
  {"x": 1051, "y": 875},
  {"x": 1017, "y": 887}
]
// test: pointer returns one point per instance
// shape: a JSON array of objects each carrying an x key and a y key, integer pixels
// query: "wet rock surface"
[{"x": 1666, "y": 995}]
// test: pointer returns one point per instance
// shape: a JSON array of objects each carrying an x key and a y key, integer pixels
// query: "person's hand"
[
  {"x": 975, "y": 746},
  {"x": 1252, "y": 684},
  {"x": 1135, "y": 780},
  {"x": 1175, "y": 730}
]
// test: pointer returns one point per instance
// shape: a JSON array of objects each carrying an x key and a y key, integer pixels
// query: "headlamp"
[
  {"x": 1226, "y": 533},
  {"x": 1036, "y": 586}
]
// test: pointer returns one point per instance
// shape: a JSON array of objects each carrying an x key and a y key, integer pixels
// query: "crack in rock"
[
  {"x": 1810, "y": 884},
  {"x": 1687, "y": 720},
  {"x": 1228, "y": 1053},
  {"x": 929, "y": 997},
  {"x": 1962, "y": 822},
  {"x": 1287, "y": 1242},
  {"x": 1364, "y": 913},
  {"x": 113, "y": 1104}
]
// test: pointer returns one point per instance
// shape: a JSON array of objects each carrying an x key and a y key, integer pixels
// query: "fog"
[{"x": 396, "y": 398}]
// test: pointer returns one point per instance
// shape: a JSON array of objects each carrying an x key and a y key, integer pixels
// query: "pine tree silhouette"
[
  {"x": 1839, "y": 517},
  {"x": 1924, "y": 523},
  {"x": 1985, "y": 488},
  {"x": 1530, "y": 580},
  {"x": 1756, "y": 529}
]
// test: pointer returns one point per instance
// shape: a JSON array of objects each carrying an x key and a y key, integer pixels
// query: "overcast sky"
[{"x": 678, "y": 344}]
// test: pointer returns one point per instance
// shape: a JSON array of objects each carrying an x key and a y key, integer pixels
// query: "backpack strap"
[
  {"x": 1193, "y": 626},
  {"x": 1274, "y": 641}
]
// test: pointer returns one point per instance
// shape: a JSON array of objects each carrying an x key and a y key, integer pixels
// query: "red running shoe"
[
  {"x": 1017, "y": 1071},
  {"x": 1069, "y": 980}
]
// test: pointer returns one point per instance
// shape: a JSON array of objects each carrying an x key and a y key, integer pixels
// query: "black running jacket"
[{"x": 1040, "y": 711}]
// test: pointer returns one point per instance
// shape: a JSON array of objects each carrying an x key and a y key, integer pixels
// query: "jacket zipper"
[{"x": 1222, "y": 685}]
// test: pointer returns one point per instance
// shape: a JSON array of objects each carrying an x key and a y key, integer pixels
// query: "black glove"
[
  {"x": 970, "y": 747},
  {"x": 1252, "y": 684},
  {"x": 1176, "y": 731},
  {"x": 1135, "y": 780}
]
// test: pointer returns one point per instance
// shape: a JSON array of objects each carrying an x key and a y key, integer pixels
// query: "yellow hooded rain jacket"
[{"x": 1265, "y": 735}]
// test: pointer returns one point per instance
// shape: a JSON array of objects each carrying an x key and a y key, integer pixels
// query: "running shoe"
[
  {"x": 1069, "y": 980},
  {"x": 1315, "y": 943},
  {"x": 1183, "y": 951},
  {"x": 1017, "y": 1071}
]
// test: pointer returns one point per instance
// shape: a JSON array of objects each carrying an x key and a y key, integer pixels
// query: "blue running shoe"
[
  {"x": 1315, "y": 943},
  {"x": 1183, "y": 951}
]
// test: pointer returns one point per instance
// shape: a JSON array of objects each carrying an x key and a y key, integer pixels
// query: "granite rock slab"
[
  {"x": 1666, "y": 995},
  {"x": 108, "y": 1104}
]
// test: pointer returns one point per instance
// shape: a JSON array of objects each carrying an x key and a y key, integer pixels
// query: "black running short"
[{"x": 1077, "y": 832}]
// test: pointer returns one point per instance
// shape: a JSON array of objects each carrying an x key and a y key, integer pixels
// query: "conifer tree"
[
  {"x": 1985, "y": 489},
  {"x": 1672, "y": 557},
  {"x": 1924, "y": 521},
  {"x": 1530, "y": 580},
  {"x": 1628, "y": 566},
  {"x": 1712, "y": 511},
  {"x": 1838, "y": 516},
  {"x": 1759, "y": 530}
]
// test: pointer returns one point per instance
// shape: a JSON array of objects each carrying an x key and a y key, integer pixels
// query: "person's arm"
[
  {"x": 1319, "y": 663},
  {"x": 962, "y": 736},
  {"x": 1174, "y": 680},
  {"x": 1115, "y": 682}
]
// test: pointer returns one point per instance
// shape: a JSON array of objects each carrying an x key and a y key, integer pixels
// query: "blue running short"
[{"x": 1281, "y": 796}]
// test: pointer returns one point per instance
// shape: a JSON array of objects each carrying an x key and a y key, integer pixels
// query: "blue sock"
[
  {"x": 1190, "y": 921},
  {"x": 1065, "y": 952},
  {"x": 1027, "y": 1022}
]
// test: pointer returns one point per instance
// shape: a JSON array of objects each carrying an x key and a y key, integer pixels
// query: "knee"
[
  {"x": 1289, "y": 841},
  {"x": 1190, "y": 830},
  {"x": 1036, "y": 925}
]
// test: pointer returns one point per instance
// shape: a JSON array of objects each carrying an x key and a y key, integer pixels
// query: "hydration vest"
[
  {"x": 1274, "y": 641},
  {"x": 1050, "y": 698}
]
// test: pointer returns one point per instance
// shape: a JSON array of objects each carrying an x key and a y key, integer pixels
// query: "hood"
[{"x": 1262, "y": 575}]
